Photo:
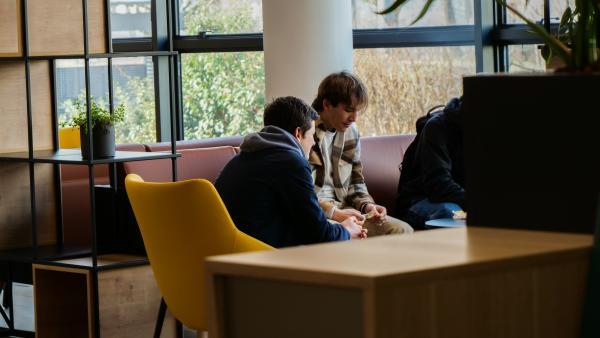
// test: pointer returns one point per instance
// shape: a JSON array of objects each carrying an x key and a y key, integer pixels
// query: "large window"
[
  {"x": 525, "y": 58},
  {"x": 130, "y": 18},
  {"x": 404, "y": 83},
  {"x": 220, "y": 16},
  {"x": 223, "y": 94},
  {"x": 534, "y": 10},
  {"x": 407, "y": 69},
  {"x": 441, "y": 13}
]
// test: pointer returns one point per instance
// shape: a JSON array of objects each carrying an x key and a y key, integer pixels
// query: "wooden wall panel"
[
  {"x": 15, "y": 210},
  {"x": 10, "y": 28},
  {"x": 65, "y": 17},
  {"x": 15, "y": 205},
  {"x": 13, "y": 111},
  {"x": 13, "y": 129}
]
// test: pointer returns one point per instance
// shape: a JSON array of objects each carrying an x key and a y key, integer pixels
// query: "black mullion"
[
  {"x": 34, "y": 237},
  {"x": 547, "y": 15},
  {"x": 459, "y": 35},
  {"x": 108, "y": 28},
  {"x": 172, "y": 114},
  {"x": 112, "y": 168},
  {"x": 154, "y": 24},
  {"x": 179, "y": 98},
  {"x": 170, "y": 24},
  {"x": 56, "y": 167}
]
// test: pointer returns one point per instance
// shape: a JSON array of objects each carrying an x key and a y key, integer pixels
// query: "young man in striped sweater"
[{"x": 335, "y": 157}]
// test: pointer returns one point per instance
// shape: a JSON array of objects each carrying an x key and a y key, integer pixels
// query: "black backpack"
[{"x": 409, "y": 169}]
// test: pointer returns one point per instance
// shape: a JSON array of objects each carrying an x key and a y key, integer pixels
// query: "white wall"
[{"x": 304, "y": 41}]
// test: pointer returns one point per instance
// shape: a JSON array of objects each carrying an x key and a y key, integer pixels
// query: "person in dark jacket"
[
  {"x": 437, "y": 191},
  {"x": 268, "y": 188}
]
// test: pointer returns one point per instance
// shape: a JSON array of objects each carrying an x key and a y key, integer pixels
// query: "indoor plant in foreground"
[{"x": 103, "y": 127}]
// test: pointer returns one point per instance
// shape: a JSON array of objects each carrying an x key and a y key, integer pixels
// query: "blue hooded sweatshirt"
[{"x": 269, "y": 192}]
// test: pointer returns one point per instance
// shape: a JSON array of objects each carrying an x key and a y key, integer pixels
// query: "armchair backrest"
[{"x": 181, "y": 224}]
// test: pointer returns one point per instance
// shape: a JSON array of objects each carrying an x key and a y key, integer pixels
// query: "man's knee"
[{"x": 396, "y": 226}]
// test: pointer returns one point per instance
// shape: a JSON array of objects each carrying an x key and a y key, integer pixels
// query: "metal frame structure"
[
  {"x": 48, "y": 255},
  {"x": 489, "y": 35}
]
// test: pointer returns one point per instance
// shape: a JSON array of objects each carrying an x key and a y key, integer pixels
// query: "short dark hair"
[
  {"x": 289, "y": 113},
  {"x": 340, "y": 87}
]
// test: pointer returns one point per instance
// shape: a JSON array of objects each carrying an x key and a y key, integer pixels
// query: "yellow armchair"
[{"x": 181, "y": 224}]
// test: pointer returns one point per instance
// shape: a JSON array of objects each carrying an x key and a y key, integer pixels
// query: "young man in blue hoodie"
[{"x": 268, "y": 188}]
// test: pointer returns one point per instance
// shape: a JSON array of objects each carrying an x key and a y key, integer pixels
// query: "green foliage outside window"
[{"x": 223, "y": 93}]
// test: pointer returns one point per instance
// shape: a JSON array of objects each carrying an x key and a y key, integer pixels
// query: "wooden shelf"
[
  {"x": 90, "y": 56},
  {"x": 44, "y": 252},
  {"x": 104, "y": 262},
  {"x": 128, "y": 300},
  {"x": 73, "y": 156}
]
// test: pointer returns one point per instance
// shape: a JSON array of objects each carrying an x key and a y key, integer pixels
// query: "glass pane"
[
  {"x": 404, "y": 83},
  {"x": 525, "y": 58},
  {"x": 133, "y": 80},
  {"x": 130, "y": 18},
  {"x": 557, "y": 7},
  {"x": 223, "y": 94},
  {"x": 441, "y": 13},
  {"x": 220, "y": 16},
  {"x": 534, "y": 10},
  {"x": 133, "y": 86}
]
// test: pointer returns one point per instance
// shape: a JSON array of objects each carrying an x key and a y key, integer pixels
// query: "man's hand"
[
  {"x": 379, "y": 212},
  {"x": 340, "y": 215},
  {"x": 355, "y": 230}
]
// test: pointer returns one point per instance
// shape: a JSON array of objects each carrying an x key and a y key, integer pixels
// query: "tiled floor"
[
  {"x": 23, "y": 301},
  {"x": 24, "y": 320}
]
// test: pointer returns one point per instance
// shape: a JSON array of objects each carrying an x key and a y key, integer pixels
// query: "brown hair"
[
  {"x": 289, "y": 113},
  {"x": 341, "y": 87}
]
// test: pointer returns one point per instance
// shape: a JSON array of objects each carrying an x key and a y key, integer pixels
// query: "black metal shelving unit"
[{"x": 18, "y": 261}]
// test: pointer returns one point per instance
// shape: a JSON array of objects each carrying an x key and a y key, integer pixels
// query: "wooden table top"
[{"x": 397, "y": 257}]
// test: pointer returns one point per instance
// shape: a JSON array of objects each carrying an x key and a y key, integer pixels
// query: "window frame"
[{"x": 490, "y": 35}]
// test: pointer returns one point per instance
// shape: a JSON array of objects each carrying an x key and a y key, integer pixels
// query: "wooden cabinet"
[
  {"x": 468, "y": 282},
  {"x": 128, "y": 300}
]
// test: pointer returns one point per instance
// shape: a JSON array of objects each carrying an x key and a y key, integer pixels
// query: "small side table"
[{"x": 446, "y": 223}]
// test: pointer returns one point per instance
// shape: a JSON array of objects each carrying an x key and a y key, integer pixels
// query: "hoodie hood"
[
  {"x": 270, "y": 137},
  {"x": 453, "y": 111}
]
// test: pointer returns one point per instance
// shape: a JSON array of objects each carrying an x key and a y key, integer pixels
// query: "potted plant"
[{"x": 103, "y": 127}]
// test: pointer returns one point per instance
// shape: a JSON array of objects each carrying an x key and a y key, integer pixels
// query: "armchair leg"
[
  {"x": 178, "y": 329},
  {"x": 160, "y": 319}
]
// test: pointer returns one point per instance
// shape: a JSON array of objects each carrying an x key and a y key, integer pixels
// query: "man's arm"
[
  {"x": 305, "y": 208},
  {"x": 436, "y": 166},
  {"x": 358, "y": 195}
]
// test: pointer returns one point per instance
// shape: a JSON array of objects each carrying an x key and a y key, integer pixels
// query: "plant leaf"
[
  {"x": 423, "y": 11},
  {"x": 393, "y": 7},
  {"x": 553, "y": 43}
]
